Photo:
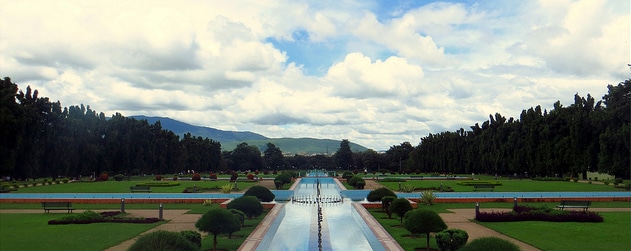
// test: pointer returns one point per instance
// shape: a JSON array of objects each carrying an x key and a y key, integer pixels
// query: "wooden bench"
[
  {"x": 140, "y": 189},
  {"x": 480, "y": 186},
  {"x": 57, "y": 206},
  {"x": 575, "y": 204}
]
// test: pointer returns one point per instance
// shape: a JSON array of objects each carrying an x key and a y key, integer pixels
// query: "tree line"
[
  {"x": 40, "y": 138},
  {"x": 587, "y": 136}
]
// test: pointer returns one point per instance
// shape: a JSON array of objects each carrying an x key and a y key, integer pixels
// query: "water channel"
[{"x": 318, "y": 218}]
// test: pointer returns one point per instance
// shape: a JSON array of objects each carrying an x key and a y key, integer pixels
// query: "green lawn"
[
  {"x": 613, "y": 234},
  {"x": 123, "y": 186},
  {"x": 509, "y": 186},
  {"x": 32, "y": 232}
]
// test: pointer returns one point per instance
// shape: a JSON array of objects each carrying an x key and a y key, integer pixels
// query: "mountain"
[{"x": 230, "y": 139}]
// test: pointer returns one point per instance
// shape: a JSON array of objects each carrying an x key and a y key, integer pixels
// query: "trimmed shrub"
[
  {"x": 175, "y": 177},
  {"x": 260, "y": 192},
  {"x": 526, "y": 213},
  {"x": 162, "y": 240},
  {"x": 250, "y": 176},
  {"x": 377, "y": 194},
  {"x": 490, "y": 244},
  {"x": 423, "y": 221},
  {"x": 281, "y": 180},
  {"x": 212, "y": 176},
  {"x": 355, "y": 180},
  {"x": 218, "y": 221},
  {"x": 234, "y": 176},
  {"x": 119, "y": 177},
  {"x": 249, "y": 205},
  {"x": 196, "y": 177},
  {"x": 451, "y": 239},
  {"x": 386, "y": 201},
  {"x": 347, "y": 176},
  {"x": 158, "y": 177},
  {"x": 400, "y": 206},
  {"x": 103, "y": 177},
  {"x": 617, "y": 181},
  {"x": 192, "y": 236}
]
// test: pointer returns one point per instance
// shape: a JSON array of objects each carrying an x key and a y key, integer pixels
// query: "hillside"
[{"x": 230, "y": 139}]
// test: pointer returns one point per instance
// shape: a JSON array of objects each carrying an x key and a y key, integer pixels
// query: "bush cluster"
[
  {"x": 527, "y": 213},
  {"x": 119, "y": 177},
  {"x": 163, "y": 240},
  {"x": 451, "y": 239},
  {"x": 196, "y": 177},
  {"x": 490, "y": 244},
  {"x": 261, "y": 193}
]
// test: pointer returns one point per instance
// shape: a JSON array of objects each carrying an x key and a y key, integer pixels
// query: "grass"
[
  {"x": 123, "y": 186},
  {"x": 32, "y": 232},
  {"x": 510, "y": 186},
  {"x": 613, "y": 234}
]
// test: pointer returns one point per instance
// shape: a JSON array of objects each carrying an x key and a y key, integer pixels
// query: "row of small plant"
[
  {"x": 89, "y": 216},
  {"x": 544, "y": 213},
  {"x": 478, "y": 182},
  {"x": 159, "y": 184}
]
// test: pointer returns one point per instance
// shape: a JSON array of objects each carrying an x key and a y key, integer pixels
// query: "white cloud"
[{"x": 440, "y": 66}]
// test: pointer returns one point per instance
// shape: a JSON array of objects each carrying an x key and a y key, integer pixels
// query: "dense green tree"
[
  {"x": 245, "y": 157},
  {"x": 273, "y": 157},
  {"x": 249, "y": 205},
  {"x": 400, "y": 206},
  {"x": 344, "y": 155}
]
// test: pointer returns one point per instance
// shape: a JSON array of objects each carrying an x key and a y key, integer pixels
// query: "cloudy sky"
[{"x": 377, "y": 73}]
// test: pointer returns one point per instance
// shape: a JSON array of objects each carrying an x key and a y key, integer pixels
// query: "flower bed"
[
  {"x": 526, "y": 213},
  {"x": 89, "y": 217}
]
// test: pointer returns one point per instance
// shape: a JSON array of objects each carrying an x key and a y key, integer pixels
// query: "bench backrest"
[
  {"x": 575, "y": 203},
  {"x": 56, "y": 204}
]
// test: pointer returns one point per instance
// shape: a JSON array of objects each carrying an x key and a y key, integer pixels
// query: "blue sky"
[{"x": 377, "y": 73}]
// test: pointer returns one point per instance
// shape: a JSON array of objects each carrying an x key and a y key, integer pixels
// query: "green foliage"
[
  {"x": 347, "y": 176},
  {"x": 428, "y": 197},
  {"x": 240, "y": 215},
  {"x": 87, "y": 215},
  {"x": 163, "y": 240},
  {"x": 377, "y": 194},
  {"x": 357, "y": 182},
  {"x": 192, "y": 236},
  {"x": 119, "y": 177},
  {"x": 159, "y": 184},
  {"x": 386, "y": 201},
  {"x": 281, "y": 180},
  {"x": 260, "y": 192},
  {"x": 392, "y": 180},
  {"x": 207, "y": 203},
  {"x": 490, "y": 244},
  {"x": 408, "y": 188},
  {"x": 218, "y": 221},
  {"x": 400, "y": 206},
  {"x": 227, "y": 188},
  {"x": 249, "y": 205},
  {"x": 451, "y": 239},
  {"x": 423, "y": 221}
]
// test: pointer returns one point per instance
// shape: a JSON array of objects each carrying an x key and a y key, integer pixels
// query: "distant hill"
[{"x": 230, "y": 139}]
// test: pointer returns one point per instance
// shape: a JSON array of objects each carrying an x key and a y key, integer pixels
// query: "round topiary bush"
[
  {"x": 357, "y": 181},
  {"x": 162, "y": 240},
  {"x": 196, "y": 177},
  {"x": 423, "y": 221},
  {"x": 250, "y": 205},
  {"x": 260, "y": 192},
  {"x": 490, "y": 244},
  {"x": 451, "y": 239},
  {"x": 281, "y": 180},
  {"x": 377, "y": 194},
  {"x": 119, "y": 177}
]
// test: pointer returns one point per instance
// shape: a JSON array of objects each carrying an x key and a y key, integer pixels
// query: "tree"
[
  {"x": 344, "y": 155},
  {"x": 400, "y": 206},
  {"x": 249, "y": 205},
  {"x": 282, "y": 179},
  {"x": 273, "y": 157},
  {"x": 218, "y": 221},
  {"x": 245, "y": 157},
  {"x": 260, "y": 192},
  {"x": 378, "y": 194},
  {"x": 423, "y": 221}
]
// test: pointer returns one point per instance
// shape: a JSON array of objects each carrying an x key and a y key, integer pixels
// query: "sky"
[{"x": 378, "y": 73}]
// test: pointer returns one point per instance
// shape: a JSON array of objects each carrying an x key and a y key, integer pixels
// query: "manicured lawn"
[
  {"x": 613, "y": 234},
  {"x": 399, "y": 233},
  {"x": 32, "y": 232},
  {"x": 509, "y": 186},
  {"x": 123, "y": 186}
]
